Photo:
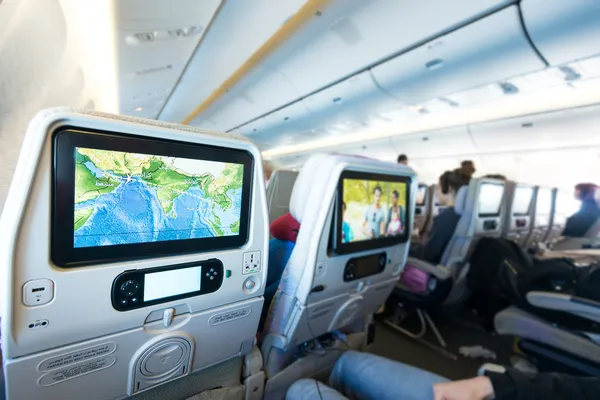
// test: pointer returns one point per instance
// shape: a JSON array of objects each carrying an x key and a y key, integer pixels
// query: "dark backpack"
[
  {"x": 501, "y": 273},
  {"x": 495, "y": 267}
]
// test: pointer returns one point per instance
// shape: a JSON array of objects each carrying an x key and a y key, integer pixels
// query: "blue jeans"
[{"x": 364, "y": 376}]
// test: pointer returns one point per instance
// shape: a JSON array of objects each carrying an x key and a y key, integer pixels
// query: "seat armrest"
[
  {"x": 579, "y": 306},
  {"x": 439, "y": 271},
  {"x": 490, "y": 367}
]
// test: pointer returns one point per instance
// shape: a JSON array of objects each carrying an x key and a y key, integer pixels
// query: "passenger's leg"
[
  {"x": 365, "y": 376},
  {"x": 307, "y": 389}
]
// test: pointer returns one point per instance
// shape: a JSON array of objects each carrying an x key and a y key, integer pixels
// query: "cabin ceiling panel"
[
  {"x": 239, "y": 29},
  {"x": 563, "y": 31},
  {"x": 489, "y": 50}
]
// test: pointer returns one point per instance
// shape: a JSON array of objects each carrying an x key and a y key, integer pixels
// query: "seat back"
[
  {"x": 435, "y": 208},
  {"x": 542, "y": 216},
  {"x": 518, "y": 212},
  {"x": 279, "y": 193},
  {"x": 132, "y": 254},
  {"x": 422, "y": 208},
  {"x": 480, "y": 206},
  {"x": 560, "y": 213},
  {"x": 335, "y": 275},
  {"x": 591, "y": 239}
]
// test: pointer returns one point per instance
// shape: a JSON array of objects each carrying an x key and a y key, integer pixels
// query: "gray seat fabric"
[
  {"x": 517, "y": 224},
  {"x": 279, "y": 193},
  {"x": 542, "y": 218},
  {"x": 515, "y": 322},
  {"x": 470, "y": 228},
  {"x": 591, "y": 238},
  {"x": 298, "y": 313}
]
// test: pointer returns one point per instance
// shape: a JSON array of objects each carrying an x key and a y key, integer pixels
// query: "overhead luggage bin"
[
  {"x": 489, "y": 50},
  {"x": 370, "y": 32},
  {"x": 259, "y": 93},
  {"x": 345, "y": 39},
  {"x": 563, "y": 31},
  {"x": 352, "y": 99}
]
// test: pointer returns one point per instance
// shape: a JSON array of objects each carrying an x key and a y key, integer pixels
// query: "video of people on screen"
[{"x": 372, "y": 210}]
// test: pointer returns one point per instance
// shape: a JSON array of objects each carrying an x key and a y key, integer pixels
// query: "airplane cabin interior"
[{"x": 227, "y": 199}]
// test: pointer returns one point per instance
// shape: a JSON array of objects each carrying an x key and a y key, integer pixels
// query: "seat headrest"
[
  {"x": 460, "y": 202},
  {"x": 303, "y": 185}
]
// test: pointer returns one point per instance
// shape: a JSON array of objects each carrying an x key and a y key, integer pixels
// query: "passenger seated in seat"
[
  {"x": 579, "y": 223},
  {"x": 445, "y": 222},
  {"x": 367, "y": 376},
  {"x": 403, "y": 159},
  {"x": 285, "y": 232}
]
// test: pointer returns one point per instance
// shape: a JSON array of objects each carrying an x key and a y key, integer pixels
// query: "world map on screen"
[{"x": 125, "y": 198}]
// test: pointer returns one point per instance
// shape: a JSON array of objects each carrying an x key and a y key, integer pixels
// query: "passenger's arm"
[{"x": 517, "y": 385}]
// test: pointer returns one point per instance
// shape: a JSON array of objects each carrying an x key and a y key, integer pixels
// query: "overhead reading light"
[
  {"x": 570, "y": 73},
  {"x": 138, "y": 109},
  {"x": 152, "y": 70},
  {"x": 418, "y": 109},
  {"x": 337, "y": 99},
  {"x": 508, "y": 88},
  {"x": 185, "y": 32},
  {"x": 434, "y": 64},
  {"x": 451, "y": 103},
  {"x": 145, "y": 37},
  {"x": 527, "y": 125},
  {"x": 171, "y": 34}
]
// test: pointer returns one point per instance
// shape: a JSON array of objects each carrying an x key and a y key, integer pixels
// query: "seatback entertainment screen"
[
  {"x": 134, "y": 197},
  {"x": 490, "y": 199},
  {"x": 522, "y": 200},
  {"x": 372, "y": 211},
  {"x": 543, "y": 206}
]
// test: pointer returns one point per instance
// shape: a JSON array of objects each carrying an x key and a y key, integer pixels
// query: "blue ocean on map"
[{"x": 132, "y": 214}]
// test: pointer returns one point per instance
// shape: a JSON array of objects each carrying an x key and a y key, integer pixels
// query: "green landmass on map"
[
  {"x": 231, "y": 179},
  {"x": 216, "y": 227},
  {"x": 81, "y": 216},
  {"x": 87, "y": 186},
  {"x": 169, "y": 183},
  {"x": 235, "y": 227}
]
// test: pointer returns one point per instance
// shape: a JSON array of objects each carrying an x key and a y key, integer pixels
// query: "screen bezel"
[
  {"x": 346, "y": 248},
  {"x": 497, "y": 213},
  {"x": 532, "y": 191},
  {"x": 66, "y": 139}
]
